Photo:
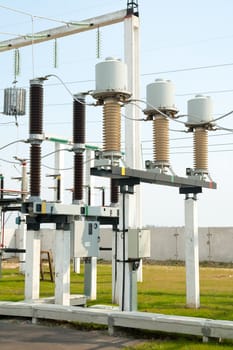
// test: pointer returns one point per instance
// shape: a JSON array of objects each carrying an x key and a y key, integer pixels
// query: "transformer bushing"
[
  {"x": 200, "y": 111},
  {"x": 111, "y": 91},
  {"x": 160, "y": 107}
]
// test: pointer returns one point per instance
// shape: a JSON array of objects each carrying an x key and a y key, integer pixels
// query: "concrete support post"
[
  {"x": 132, "y": 126},
  {"x": 90, "y": 264},
  {"x": 90, "y": 277},
  {"x": 115, "y": 298},
  {"x": 126, "y": 277},
  {"x": 77, "y": 265},
  {"x": 192, "y": 253},
  {"x": 62, "y": 267},
  {"x": 22, "y": 242},
  {"x": 22, "y": 225},
  {"x": 32, "y": 266}
]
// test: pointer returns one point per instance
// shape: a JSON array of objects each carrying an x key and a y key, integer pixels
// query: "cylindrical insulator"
[
  {"x": 112, "y": 127},
  {"x": 201, "y": 150},
  {"x": 78, "y": 139},
  {"x": 114, "y": 192},
  {"x": 35, "y": 170},
  {"x": 36, "y": 107},
  {"x": 161, "y": 141},
  {"x": 78, "y": 177},
  {"x": 79, "y": 120}
]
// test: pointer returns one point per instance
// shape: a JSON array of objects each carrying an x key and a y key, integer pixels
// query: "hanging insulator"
[
  {"x": 200, "y": 151},
  {"x": 55, "y": 54},
  {"x": 161, "y": 141},
  {"x": 112, "y": 129},
  {"x": 98, "y": 43},
  {"x": 16, "y": 63}
]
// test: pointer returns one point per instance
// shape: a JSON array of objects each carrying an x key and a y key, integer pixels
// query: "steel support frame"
[
  {"x": 132, "y": 205},
  {"x": 65, "y": 30},
  {"x": 188, "y": 186}
]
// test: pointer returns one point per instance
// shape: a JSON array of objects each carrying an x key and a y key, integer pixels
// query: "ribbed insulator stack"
[
  {"x": 36, "y": 135},
  {"x": 36, "y": 108},
  {"x": 111, "y": 127},
  {"x": 161, "y": 141},
  {"x": 79, "y": 126},
  {"x": 35, "y": 170},
  {"x": 160, "y": 97},
  {"x": 114, "y": 192},
  {"x": 78, "y": 177},
  {"x": 79, "y": 111},
  {"x": 200, "y": 150},
  {"x": 111, "y": 91},
  {"x": 200, "y": 121}
]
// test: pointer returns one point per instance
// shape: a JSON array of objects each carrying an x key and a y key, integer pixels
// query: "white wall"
[{"x": 167, "y": 243}]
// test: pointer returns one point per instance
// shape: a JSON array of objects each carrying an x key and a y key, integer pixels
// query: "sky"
[{"x": 188, "y": 42}]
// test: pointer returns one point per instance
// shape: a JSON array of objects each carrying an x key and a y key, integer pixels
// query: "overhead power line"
[{"x": 189, "y": 69}]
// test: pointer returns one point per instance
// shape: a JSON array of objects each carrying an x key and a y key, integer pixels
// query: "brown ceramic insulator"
[
  {"x": 79, "y": 120},
  {"x": 161, "y": 140},
  {"x": 78, "y": 177},
  {"x": 36, "y": 109},
  {"x": 200, "y": 149},
  {"x": 35, "y": 170},
  {"x": 114, "y": 192},
  {"x": 111, "y": 126}
]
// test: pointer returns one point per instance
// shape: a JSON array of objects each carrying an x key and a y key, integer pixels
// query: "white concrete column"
[
  {"x": 132, "y": 127},
  {"x": 90, "y": 264},
  {"x": 90, "y": 277},
  {"x": 121, "y": 279},
  {"x": 77, "y": 265},
  {"x": 32, "y": 266},
  {"x": 23, "y": 225},
  {"x": 62, "y": 267},
  {"x": 192, "y": 253},
  {"x": 126, "y": 283},
  {"x": 115, "y": 299},
  {"x": 22, "y": 230}
]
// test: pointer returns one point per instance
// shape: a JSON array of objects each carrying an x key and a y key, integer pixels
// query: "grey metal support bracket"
[{"x": 129, "y": 176}]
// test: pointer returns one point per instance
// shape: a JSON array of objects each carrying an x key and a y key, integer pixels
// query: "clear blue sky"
[{"x": 175, "y": 35}]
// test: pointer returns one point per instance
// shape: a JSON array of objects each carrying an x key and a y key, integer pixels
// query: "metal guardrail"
[{"x": 205, "y": 328}]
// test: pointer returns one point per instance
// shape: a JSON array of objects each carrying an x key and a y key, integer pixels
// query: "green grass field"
[{"x": 162, "y": 291}]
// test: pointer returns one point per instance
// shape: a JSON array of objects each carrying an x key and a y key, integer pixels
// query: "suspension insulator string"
[
  {"x": 98, "y": 43},
  {"x": 16, "y": 64},
  {"x": 55, "y": 54}
]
